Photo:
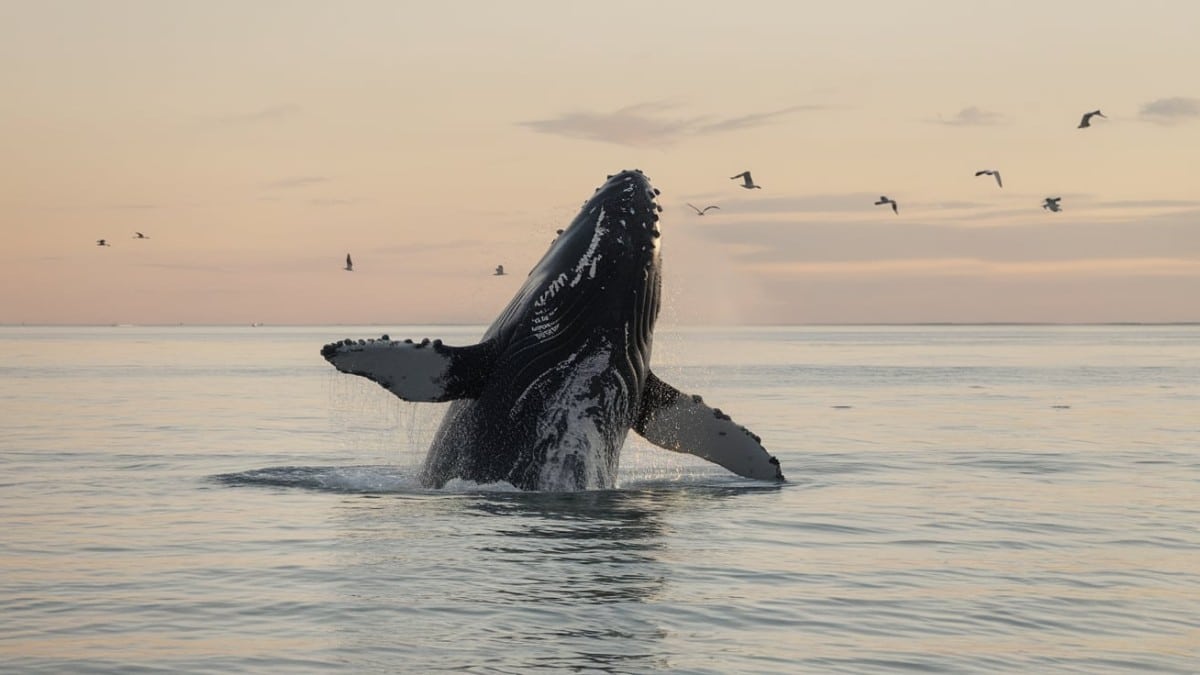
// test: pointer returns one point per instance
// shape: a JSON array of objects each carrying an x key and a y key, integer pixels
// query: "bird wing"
[
  {"x": 739, "y": 175},
  {"x": 895, "y": 208},
  {"x": 693, "y": 207},
  {"x": 980, "y": 173},
  {"x": 712, "y": 207},
  {"x": 998, "y": 181}
]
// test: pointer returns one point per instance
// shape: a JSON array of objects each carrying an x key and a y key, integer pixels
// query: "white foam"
[{"x": 582, "y": 442}]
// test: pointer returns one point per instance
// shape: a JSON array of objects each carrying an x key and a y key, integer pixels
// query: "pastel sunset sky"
[{"x": 256, "y": 143}]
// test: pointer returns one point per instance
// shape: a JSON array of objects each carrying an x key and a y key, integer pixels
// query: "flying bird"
[
  {"x": 991, "y": 172},
  {"x": 349, "y": 264},
  {"x": 1052, "y": 204},
  {"x": 700, "y": 212},
  {"x": 139, "y": 235},
  {"x": 749, "y": 182},
  {"x": 102, "y": 242},
  {"x": 1087, "y": 119},
  {"x": 883, "y": 199},
  {"x": 499, "y": 271}
]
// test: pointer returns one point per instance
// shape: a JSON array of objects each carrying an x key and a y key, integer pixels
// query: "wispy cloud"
[
  {"x": 295, "y": 182},
  {"x": 134, "y": 207},
  {"x": 963, "y": 267},
  {"x": 806, "y": 206},
  {"x": 1171, "y": 110},
  {"x": 971, "y": 116},
  {"x": 650, "y": 124},
  {"x": 1161, "y": 237},
  {"x": 266, "y": 115},
  {"x": 1148, "y": 204},
  {"x": 847, "y": 202}
]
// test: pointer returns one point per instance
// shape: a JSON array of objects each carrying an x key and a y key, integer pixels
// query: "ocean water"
[{"x": 960, "y": 500}]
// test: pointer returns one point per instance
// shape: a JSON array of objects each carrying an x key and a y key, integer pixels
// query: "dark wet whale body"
[{"x": 546, "y": 398}]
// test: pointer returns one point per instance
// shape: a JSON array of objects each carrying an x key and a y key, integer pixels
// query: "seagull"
[
  {"x": 749, "y": 182},
  {"x": 499, "y": 271},
  {"x": 700, "y": 212},
  {"x": 102, "y": 242},
  {"x": 349, "y": 264},
  {"x": 884, "y": 200},
  {"x": 1087, "y": 119},
  {"x": 139, "y": 235},
  {"x": 1052, "y": 204},
  {"x": 990, "y": 172}
]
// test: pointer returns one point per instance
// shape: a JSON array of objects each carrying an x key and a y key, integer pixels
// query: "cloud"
[
  {"x": 825, "y": 203},
  {"x": 1171, "y": 110},
  {"x": 880, "y": 238},
  {"x": 295, "y": 182},
  {"x": 971, "y": 116},
  {"x": 272, "y": 113},
  {"x": 647, "y": 124},
  {"x": 134, "y": 207},
  {"x": 971, "y": 267},
  {"x": 804, "y": 208},
  {"x": 1148, "y": 204}
]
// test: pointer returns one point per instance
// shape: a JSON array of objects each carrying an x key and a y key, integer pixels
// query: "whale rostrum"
[{"x": 546, "y": 398}]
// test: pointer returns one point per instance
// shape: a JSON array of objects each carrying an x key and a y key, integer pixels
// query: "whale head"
[
  {"x": 602, "y": 271},
  {"x": 619, "y": 226}
]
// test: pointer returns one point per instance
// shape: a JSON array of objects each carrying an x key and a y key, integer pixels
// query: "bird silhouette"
[
  {"x": 991, "y": 172},
  {"x": 883, "y": 199},
  {"x": 349, "y": 264},
  {"x": 102, "y": 242},
  {"x": 139, "y": 235},
  {"x": 1087, "y": 119},
  {"x": 700, "y": 211},
  {"x": 1051, "y": 203},
  {"x": 499, "y": 271},
  {"x": 749, "y": 182}
]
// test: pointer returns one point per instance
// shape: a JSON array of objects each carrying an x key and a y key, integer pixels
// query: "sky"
[{"x": 256, "y": 143}]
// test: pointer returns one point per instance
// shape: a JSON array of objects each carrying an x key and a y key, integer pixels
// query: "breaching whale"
[{"x": 545, "y": 400}]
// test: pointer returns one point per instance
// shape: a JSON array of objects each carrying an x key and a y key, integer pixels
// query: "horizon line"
[{"x": 683, "y": 325}]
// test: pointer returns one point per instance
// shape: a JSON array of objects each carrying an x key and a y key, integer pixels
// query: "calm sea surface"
[{"x": 961, "y": 500}]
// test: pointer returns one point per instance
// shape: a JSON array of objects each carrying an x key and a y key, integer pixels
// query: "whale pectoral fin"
[
  {"x": 673, "y": 420},
  {"x": 415, "y": 371}
]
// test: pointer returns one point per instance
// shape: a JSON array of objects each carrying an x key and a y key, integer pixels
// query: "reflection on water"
[
  {"x": 529, "y": 580},
  {"x": 589, "y": 547}
]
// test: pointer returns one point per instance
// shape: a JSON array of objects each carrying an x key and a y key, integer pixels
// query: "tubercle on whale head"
[{"x": 628, "y": 199}]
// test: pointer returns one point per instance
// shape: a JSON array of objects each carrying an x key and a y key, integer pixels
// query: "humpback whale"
[{"x": 546, "y": 398}]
